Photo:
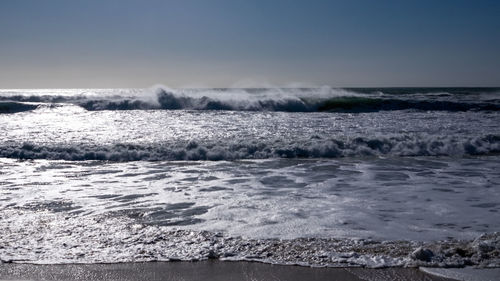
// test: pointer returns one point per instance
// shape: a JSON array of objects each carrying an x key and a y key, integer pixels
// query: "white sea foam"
[
  {"x": 71, "y": 133},
  {"x": 271, "y": 198},
  {"x": 406, "y": 145},
  {"x": 46, "y": 238}
]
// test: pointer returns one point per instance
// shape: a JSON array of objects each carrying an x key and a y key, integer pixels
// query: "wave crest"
[
  {"x": 275, "y": 99},
  {"x": 314, "y": 148},
  {"x": 13, "y": 107}
]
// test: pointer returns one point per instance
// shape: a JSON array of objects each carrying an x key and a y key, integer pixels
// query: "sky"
[{"x": 227, "y": 43}]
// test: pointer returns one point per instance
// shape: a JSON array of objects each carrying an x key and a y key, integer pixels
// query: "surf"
[{"x": 323, "y": 99}]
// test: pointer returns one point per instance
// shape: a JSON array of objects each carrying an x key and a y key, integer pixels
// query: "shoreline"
[{"x": 204, "y": 270}]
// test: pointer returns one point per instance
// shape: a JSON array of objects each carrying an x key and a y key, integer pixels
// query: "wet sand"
[{"x": 204, "y": 270}]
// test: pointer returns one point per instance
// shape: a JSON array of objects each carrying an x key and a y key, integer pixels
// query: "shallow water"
[{"x": 384, "y": 198}]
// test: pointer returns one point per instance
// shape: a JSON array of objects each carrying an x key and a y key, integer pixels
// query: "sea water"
[{"x": 316, "y": 176}]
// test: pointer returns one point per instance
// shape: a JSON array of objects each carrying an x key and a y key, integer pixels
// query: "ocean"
[{"x": 323, "y": 176}]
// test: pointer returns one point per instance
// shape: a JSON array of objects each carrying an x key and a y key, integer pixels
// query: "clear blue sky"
[{"x": 125, "y": 43}]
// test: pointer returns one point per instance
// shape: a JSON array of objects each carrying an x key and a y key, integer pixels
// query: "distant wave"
[
  {"x": 13, "y": 107},
  {"x": 288, "y": 100},
  {"x": 314, "y": 148},
  {"x": 355, "y": 104},
  {"x": 168, "y": 100}
]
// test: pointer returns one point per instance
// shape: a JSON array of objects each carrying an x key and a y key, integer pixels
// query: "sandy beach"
[{"x": 204, "y": 270}]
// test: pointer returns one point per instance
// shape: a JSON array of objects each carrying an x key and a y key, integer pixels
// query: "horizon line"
[{"x": 255, "y": 87}]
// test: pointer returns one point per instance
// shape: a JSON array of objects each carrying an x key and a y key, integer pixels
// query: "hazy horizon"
[
  {"x": 182, "y": 44},
  {"x": 261, "y": 87}
]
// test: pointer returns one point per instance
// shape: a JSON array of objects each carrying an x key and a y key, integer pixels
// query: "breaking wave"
[
  {"x": 168, "y": 100},
  {"x": 289, "y": 100},
  {"x": 314, "y": 148}
]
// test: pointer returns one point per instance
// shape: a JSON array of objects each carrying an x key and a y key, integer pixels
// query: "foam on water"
[
  {"x": 54, "y": 239},
  {"x": 405, "y": 145},
  {"x": 329, "y": 212},
  {"x": 66, "y": 133}
]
